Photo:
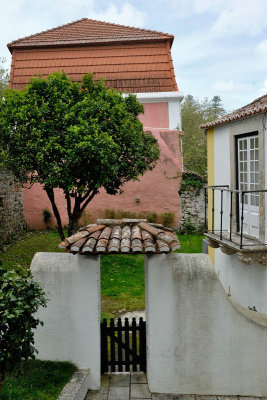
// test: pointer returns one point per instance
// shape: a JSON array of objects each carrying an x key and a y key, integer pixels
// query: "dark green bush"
[{"x": 20, "y": 298}]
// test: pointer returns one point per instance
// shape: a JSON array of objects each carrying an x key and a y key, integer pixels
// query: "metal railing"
[{"x": 239, "y": 204}]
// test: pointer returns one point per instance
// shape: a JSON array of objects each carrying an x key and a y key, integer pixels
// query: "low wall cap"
[{"x": 122, "y": 236}]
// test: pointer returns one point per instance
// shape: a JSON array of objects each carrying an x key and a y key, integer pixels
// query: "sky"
[{"x": 220, "y": 46}]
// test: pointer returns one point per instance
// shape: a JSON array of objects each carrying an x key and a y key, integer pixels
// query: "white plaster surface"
[
  {"x": 71, "y": 330},
  {"x": 198, "y": 340},
  {"x": 248, "y": 284}
]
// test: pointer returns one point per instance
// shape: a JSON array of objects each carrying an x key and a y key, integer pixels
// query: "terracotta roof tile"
[
  {"x": 257, "y": 106},
  {"x": 122, "y": 236},
  {"x": 88, "y": 31},
  {"x": 139, "y": 63}
]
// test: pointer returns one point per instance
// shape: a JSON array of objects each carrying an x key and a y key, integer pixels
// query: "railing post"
[
  {"x": 221, "y": 212},
  {"x": 242, "y": 220},
  {"x": 127, "y": 360},
  {"x": 112, "y": 344},
  {"x": 104, "y": 347},
  {"x": 119, "y": 345},
  {"x": 231, "y": 214},
  {"x": 205, "y": 197},
  {"x": 142, "y": 344},
  {"x": 213, "y": 210}
]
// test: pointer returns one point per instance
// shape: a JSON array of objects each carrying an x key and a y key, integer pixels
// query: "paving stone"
[
  {"x": 184, "y": 397},
  {"x": 140, "y": 391},
  {"x": 138, "y": 377},
  {"x": 206, "y": 397},
  {"x": 248, "y": 398},
  {"x": 120, "y": 379},
  {"x": 228, "y": 397},
  {"x": 118, "y": 393},
  {"x": 162, "y": 396},
  {"x": 105, "y": 381},
  {"x": 97, "y": 395}
]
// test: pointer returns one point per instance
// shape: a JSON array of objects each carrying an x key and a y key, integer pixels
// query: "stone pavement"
[
  {"x": 133, "y": 386},
  {"x": 121, "y": 386}
]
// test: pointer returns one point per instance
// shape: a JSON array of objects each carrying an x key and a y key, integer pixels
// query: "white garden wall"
[
  {"x": 71, "y": 330},
  {"x": 198, "y": 340},
  {"x": 248, "y": 284}
]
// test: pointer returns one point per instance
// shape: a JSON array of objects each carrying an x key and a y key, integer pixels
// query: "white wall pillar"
[
  {"x": 71, "y": 330},
  {"x": 198, "y": 340}
]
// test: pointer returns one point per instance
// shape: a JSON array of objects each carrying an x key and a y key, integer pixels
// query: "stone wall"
[
  {"x": 193, "y": 207},
  {"x": 11, "y": 206}
]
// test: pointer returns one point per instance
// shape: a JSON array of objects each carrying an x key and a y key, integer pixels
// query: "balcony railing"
[{"x": 231, "y": 226}]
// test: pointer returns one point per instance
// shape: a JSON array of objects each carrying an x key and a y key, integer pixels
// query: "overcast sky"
[{"x": 220, "y": 46}]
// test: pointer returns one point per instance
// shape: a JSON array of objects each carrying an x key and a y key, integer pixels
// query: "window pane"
[
  {"x": 240, "y": 144},
  {"x": 257, "y": 142},
  {"x": 256, "y": 154}
]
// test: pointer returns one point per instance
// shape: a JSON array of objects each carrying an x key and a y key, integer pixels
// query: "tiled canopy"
[{"x": 122, "y": 236}]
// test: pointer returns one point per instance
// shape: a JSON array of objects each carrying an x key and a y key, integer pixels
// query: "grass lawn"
[
  {"x": 34, "y": 379},
  {"x": 122, "y": 276}
]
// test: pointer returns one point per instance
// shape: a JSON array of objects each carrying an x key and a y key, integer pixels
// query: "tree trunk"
[
  {"x": 50, "y": 194},
  {"x": 78, "y": 209}
]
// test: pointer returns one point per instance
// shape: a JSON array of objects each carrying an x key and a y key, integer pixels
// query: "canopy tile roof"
[
  {"x": 88, "y": 31},
  {"x": 257, "y": 106},
  {"x": 126, "y": 236}
]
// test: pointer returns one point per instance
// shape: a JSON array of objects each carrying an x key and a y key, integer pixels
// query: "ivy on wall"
[{"x": 190, "y": 178}]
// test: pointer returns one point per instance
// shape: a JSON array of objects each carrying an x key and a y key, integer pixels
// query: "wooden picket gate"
[{"x": 123, "y": 347}]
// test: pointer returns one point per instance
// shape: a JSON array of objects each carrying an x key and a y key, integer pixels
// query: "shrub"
[
  {"x": 46, "y": 215},
  {"x": 20, "y": 298},
  {"x": 86, "y": 219},
  {"x": 188, "y": 227},
  {"x": 167, "y": 219}
]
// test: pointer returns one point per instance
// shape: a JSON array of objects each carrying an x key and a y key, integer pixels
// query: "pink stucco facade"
[{"x": 157, "y": 189}]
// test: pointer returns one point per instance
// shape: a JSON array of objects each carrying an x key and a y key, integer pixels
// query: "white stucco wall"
[
  {"x": 71, "y": 330},
  {"x": 248, "y": 284},
  {"x": 198, "y": 341}
]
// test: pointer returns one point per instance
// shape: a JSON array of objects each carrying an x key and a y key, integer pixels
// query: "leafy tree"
[
  {"x": 4, "y": 76},
  {"x": 78, "y": 138},
  {"x": 195, "y": 113},
  {"x": 20, "y": 298}
]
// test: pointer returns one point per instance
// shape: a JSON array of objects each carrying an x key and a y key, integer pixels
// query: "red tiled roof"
[
  {"x": 88, "y": 31},
  {"x": 257, "y": 106},
  {"x": 122, "y": 236}
]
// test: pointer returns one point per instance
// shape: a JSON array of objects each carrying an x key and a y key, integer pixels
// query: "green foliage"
[
  {"x": 195, "y": 113},
  {"x": 79, "y": 138},
  {"x": 37, "y": 380},
  {"x": 191, "y": 179},
  {"x": 188, "y": 228},
  {"x": 4, "y": 76},
  {"x": 20, "y": 298},
  {"x": 46, "y": 215},
  {"x": 166, "y": 219}
]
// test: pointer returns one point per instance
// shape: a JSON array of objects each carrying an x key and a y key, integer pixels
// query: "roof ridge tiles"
[
  {"x": 45, "y": 31},
  {"x": 250, "y": 109},
  {"x": 102, "y": 24},
  {"x": 121, "y": 236}
]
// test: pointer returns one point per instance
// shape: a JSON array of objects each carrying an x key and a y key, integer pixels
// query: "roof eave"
[
  {"x": 15, "y": 46},
  {"x": 229, "y": 121}
]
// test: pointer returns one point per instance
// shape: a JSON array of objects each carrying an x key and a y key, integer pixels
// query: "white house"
[{"x": 237, "y": 202}]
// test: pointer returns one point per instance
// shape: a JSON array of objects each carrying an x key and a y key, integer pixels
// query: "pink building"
[{"x": 131, "y": 60}]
